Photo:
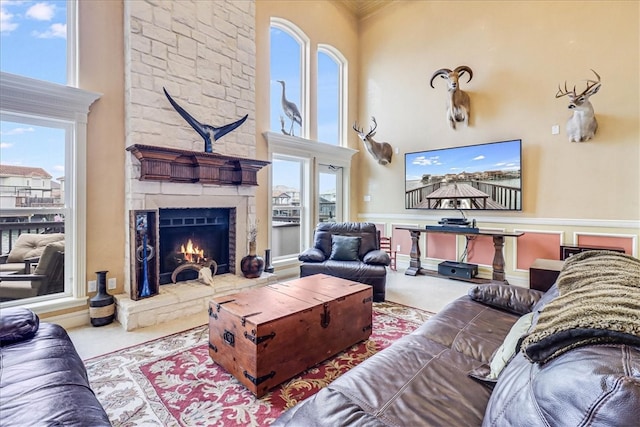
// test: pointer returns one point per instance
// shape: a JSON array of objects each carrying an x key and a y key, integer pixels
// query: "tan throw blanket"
[{"x": 598, "y": 302}]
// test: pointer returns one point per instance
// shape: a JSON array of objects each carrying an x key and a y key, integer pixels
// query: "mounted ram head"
[
  {"x": 459, "y": 106},
  {"x": 582, "y": 125}
]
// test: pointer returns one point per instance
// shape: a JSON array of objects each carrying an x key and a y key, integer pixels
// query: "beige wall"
[
  {"x": 101, "y": 65},
  {"x": 519, "y": 51}
]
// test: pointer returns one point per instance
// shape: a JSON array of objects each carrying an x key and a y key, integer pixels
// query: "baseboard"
[
  {"x": 288, "y": 272},
  {"x": 71, "y": 320}
]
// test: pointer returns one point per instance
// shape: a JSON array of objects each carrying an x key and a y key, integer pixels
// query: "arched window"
[
  {"x": 289, "y": 49},
  {"x": 309, "y": 178},
  {"x": 331, "y": 95}
]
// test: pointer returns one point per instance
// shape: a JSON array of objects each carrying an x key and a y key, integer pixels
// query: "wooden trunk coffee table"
[{"x": 267, "y": 335}]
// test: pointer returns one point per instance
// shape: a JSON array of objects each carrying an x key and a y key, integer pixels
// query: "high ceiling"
[{"x": 363, "y": 8}]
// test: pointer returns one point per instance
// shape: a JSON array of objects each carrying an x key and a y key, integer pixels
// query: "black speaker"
[{"x": 459, "y": 270}]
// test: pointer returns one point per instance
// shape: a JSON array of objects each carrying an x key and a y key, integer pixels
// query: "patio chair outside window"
[{"x": 48, "y": 277}]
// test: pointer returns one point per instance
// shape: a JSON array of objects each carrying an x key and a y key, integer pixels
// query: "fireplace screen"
[{"x": 191, "y": 239}]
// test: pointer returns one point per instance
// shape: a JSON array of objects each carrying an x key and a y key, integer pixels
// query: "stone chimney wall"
[{"x": 203, "y": 53}]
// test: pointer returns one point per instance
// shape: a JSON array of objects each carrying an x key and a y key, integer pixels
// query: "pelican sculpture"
[
  {"x": 290, "y": 109},
  {"x": 207, "y": 132}
]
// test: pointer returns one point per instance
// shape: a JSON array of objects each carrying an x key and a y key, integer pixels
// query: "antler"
[
  {"x": 590, "y": 85},
  {"x": 355, "y": 127},
  {"x": 441, "y": 71},
  {"x": 560, "y": 93},
  {"x": 594, "y": 83},
  {"x": 462, "y": 69},
  {"x": 373, "y": 128}
]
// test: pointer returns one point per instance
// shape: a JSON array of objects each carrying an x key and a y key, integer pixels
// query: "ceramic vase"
[
  {"x": 102, "y": 307},
  {"x": 252, "y": 265}
]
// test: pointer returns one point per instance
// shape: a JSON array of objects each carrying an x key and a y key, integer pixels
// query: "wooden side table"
[
  {"x": 498, "y": 274},
  {"x": 543, "y": 273}
]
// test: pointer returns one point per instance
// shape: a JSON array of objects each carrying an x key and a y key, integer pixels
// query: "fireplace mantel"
[{"x": 174, "y": 165}]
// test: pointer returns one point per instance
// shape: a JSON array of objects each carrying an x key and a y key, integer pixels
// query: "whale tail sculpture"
[{"x": 207, "y": 132}]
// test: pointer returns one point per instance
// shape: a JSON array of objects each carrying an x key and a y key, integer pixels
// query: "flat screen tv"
[{"x": 476, "y": 177}]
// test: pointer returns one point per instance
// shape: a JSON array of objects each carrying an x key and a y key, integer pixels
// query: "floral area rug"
[{"x": 172, "y": 381}]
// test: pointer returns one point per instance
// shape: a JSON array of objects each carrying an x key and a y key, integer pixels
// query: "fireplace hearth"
[{"x": 194, "y": 237}]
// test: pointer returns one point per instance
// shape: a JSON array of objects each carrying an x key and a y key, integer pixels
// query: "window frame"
[
  {"x": 45, "y": 103},
  {"x": 305, "y": 56},
  {"x": 313, "y": 153},
  {"x": 304, "y": 199},
  {"x": 343, "y": 88},
  {"x": 338, "y": 173},
  {"x": 37, "y": 101}
]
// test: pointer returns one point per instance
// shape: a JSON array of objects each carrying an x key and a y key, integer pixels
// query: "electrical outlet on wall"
[
  {"x": 398, "y": 248},
  {"x": 111, "y": 283},
  {"x": 93, "y": 286}
]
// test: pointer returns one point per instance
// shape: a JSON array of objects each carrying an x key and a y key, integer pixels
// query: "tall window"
[
  {"x": 42, "y": 131},
  {"x": 329, "y": 193},
  {"x": 328, "y": 98},
  {"x": 34, "y": 40},
  {"x": 287, "y": 50},
  {"x": 306, "y": 176},
  {"x": 287, "y": 208}
]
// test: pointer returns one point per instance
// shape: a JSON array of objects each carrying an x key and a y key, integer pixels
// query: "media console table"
[{"x": 498, "y": 243}]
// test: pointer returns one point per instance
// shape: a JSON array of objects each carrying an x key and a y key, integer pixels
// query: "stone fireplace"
[
  {"x": 203, "y": 53},
  {"x": 214, "y": 217}
]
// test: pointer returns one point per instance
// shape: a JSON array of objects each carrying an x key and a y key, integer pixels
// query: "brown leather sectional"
[{"x": 424, "y": 378}]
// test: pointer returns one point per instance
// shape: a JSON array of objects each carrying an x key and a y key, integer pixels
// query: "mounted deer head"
[
  {"x": 582, "y": 125},
  {"x": 458, "y": 107},
  {"x": 381, "y": 151}
]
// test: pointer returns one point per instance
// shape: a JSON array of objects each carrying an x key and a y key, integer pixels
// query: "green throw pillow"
[
  {"x": 506, "y": 351},
  {"x": 344, "y": 248}
]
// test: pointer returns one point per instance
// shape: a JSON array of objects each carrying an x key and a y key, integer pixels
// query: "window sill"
[
  {"x": 327, "y": 153},
  {"x": 50, "y": 305}
]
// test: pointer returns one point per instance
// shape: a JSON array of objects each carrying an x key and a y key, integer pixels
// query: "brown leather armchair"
[{"x": 349, "y": 250}]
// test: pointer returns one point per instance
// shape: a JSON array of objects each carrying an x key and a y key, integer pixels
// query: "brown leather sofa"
[
  {"x": 437, "y": 375},
  {"x": 43, "y": 381},
  {"x": 359, "y": 258}
]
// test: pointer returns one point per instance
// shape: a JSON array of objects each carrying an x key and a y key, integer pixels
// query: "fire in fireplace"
[
  {"x": 192, "y": 253},
  {"x": 197, "y": 237}
]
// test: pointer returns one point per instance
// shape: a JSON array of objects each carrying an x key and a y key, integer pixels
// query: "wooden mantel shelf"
[{"x": 174, "y": 165}]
